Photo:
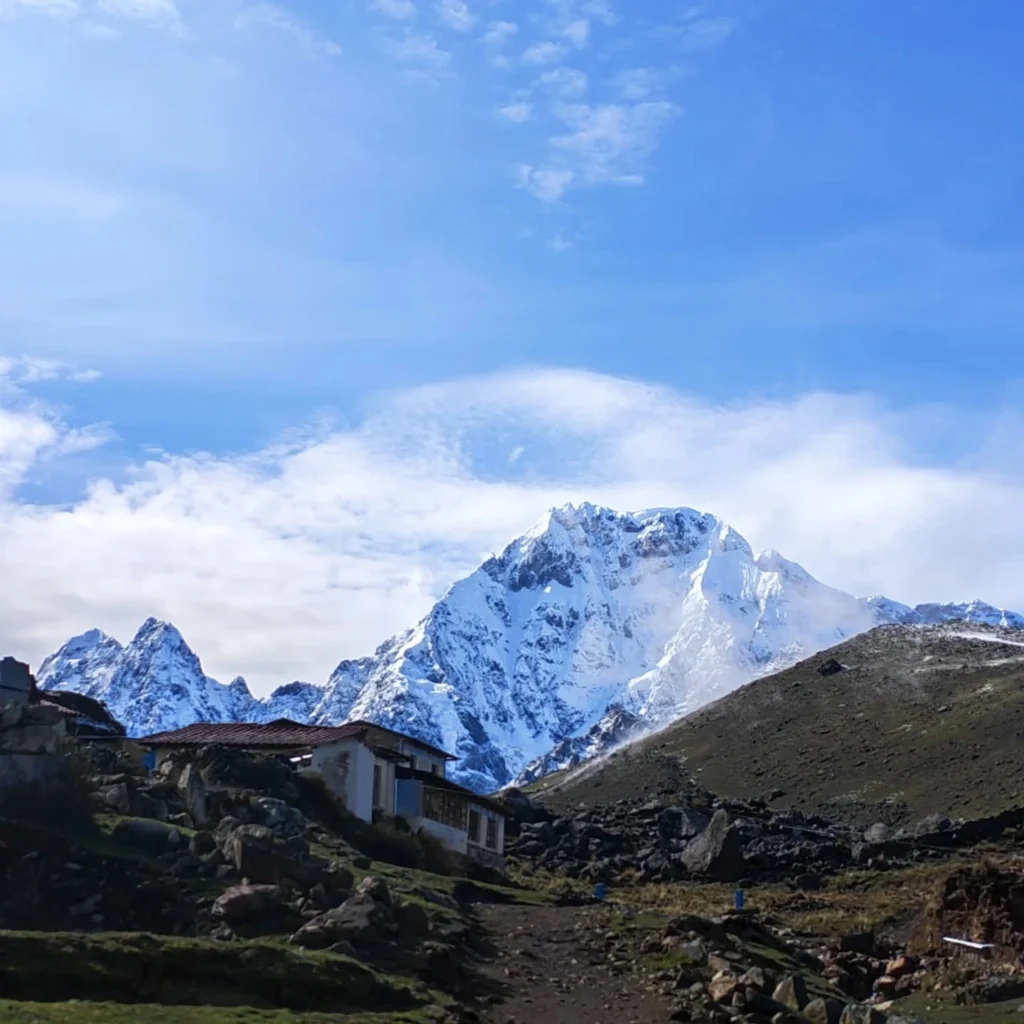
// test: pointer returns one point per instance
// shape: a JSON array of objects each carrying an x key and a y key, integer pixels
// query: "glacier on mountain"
[{"x": 590, "y": 629}]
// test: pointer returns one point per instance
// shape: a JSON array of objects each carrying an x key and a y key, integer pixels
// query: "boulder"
[
  {"x": 360, "y": 920},
  {"x": 722, "y": 986},
  {"x": 823, "y": 1011},
  {"x": 412, "y": 920},
  {"x": 117, "y": 798},
  {"x": 858, "y": 1013},
  {"x": 244, "y": 903},
  {"x": 877, "y": 833},
  {"x": 376, "y": 889},
  {"x": 792, "y": 992},
  {"x": 681, "y": 823},
  {"x": 718, "y": 852},
  {"x": 192, "y": 788},
  {"x": 152, "y": 837}
]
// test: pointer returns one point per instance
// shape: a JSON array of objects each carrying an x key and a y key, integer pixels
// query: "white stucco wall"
[
  {"x": 453, "y": 838},
  {"x": 347, "y": 768}
]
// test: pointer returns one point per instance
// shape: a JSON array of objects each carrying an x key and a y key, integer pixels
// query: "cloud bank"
[{"x": 278, "y": 563}]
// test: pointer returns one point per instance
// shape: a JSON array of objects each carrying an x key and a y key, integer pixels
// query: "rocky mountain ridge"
[{"x": 592, "y": 628}]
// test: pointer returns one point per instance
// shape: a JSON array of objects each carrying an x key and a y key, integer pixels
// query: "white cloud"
[
  {"x": 548, "y": 184},
  {"x": 270, "y": 16},
  {"x": 40, "y": 195},
  {"x": 566, "y": 82},
  {"x": 279, "y": 563},
  {"x": 499, "y": 33},
  {"x": 144, "y": 10},
  {"x": 545, "y": 52},
  {"x": 611, "y": 143},
  {"x": 456, "y": 14},
  {"x": 559, "y": 243},
  {"x": 420, "y": 50},
  {"x": 699, "y": 34},
  {"x": 518, "y": 111},
  {"x": 52, "y": 8},
  {"x": 400, "y": 10},
  {"x": 577, "y": 32},
  {"x": 23, "y": 370},
  {"x": 635, "y": 84}
]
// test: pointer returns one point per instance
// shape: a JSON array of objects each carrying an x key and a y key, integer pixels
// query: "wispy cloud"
[
  {"x": 566, "y": 82},
  {"x": 698, "y": 34},
  {"x": 24, "y": 370},
  {"x": 518, "y": 111},
  {"x": 636, "y": 84},
  {"x": 577, "y": 32},
  {"x": 418, "y": 50},
  {"x": 40, "y": 195},
  {"x": 605, "y": 144},
  {"x": 548, "y": 184},
  {"x": 499, "y": 33},
  {"x": 330, "y": 542},
  {"x": 270, "y": 16},
  {"x": 53, "y": 8},
  {"x": 400, "y": 10},
  {"x": 456, "y": 14},
  {"x": 543, "y": 52},
  {"x": 160, "y": 11}
]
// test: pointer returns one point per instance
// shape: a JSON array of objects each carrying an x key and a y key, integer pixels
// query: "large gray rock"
[
  {"x": 243, "y": 903},
  {"x": 792, "y": 992},
  {"x": 681, "y": 822},
  {"x": 856, "y": 1013},
  {"x": 717, "y": 853},
  {"x": 192, "y": 787},
  {"x": 360, "y": 920},
  {"x": 823, "y": 1011},
  {"x": 152, "y": 837}
]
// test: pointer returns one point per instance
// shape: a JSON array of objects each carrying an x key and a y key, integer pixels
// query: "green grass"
[
  {"x": 120, "y": 1013},
  {"x": 137, "y": 967},
  {"x": 940, "y": 1008}
]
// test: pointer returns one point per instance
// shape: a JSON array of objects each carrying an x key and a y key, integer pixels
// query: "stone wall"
[
  {"x": 33, "y": 765},
  {"x": 16, "y": 683}
]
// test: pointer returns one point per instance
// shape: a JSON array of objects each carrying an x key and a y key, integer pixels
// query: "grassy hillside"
[{"x": 923, "y": 720}]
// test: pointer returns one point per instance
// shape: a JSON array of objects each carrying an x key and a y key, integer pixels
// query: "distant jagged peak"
[
  {"x": 86, "y": 642},
  {"x": 155, "y": 630},
  {"x": 240, "y": 686}
]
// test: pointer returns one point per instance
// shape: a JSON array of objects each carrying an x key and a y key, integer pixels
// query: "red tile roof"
[{"x": 283, "y": 734}]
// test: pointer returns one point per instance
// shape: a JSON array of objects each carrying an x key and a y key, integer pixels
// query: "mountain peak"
[{"x": 592, "y": 625}]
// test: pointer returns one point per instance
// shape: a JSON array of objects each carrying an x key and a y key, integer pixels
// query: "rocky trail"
[{"x": 551, "y": 964}]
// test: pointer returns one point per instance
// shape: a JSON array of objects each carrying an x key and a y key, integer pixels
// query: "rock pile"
[
  {"x": 720, "y": 840},
  {"x": 735, "y": 968}
]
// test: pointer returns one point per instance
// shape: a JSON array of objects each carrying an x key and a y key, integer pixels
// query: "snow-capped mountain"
[
  {"x": 977, "y": 612},
  {"x": 154, "y": 683},
  {"x": 591, "y": 628}
]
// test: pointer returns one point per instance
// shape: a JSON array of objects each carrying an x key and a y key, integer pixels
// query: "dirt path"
[{"x": 552, "y": 965}]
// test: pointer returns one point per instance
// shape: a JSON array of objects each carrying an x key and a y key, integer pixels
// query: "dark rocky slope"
[{"x": 907, "y": 722}]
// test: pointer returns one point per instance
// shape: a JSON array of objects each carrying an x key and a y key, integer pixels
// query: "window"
[
  {"x": 474, "y": 827},
  {"x": 445, "y": 808},
  {"x": 492, "y": 833},
  {"x": 378, "y": 786},
  {"x": 434, "y": 770}
]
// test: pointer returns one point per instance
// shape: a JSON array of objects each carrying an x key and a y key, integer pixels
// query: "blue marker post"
[
  {"x": 739, "y": 899},
  {"x": 600, "y": 892}
]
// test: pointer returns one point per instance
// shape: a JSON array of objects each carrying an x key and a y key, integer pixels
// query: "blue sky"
[{"x": 236, "y": 234}]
